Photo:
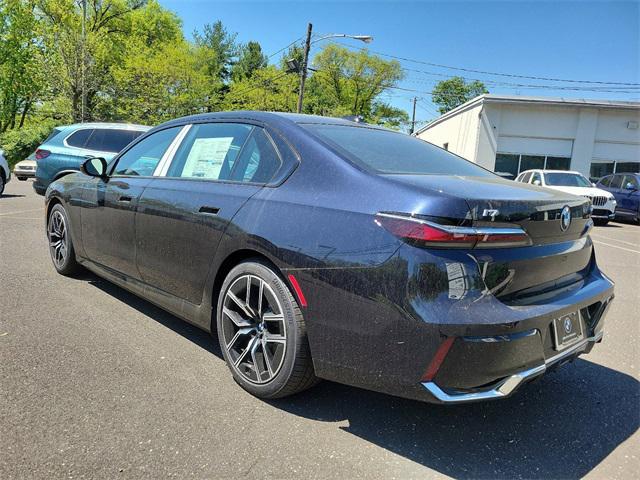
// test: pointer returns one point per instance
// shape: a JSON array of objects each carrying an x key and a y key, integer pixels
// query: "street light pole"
[
  {"x": 307, "y": 47},
  {"x": 303, "y": 69}
]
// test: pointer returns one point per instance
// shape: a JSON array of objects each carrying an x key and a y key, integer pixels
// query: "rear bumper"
[
  {"x": 24, "y": 173},
  {"x": 509, "y": 384},
  {"x": 39, "y": 186}
]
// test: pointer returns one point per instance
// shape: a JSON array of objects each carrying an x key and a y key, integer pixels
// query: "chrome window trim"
[{"x": 165, "y": 162}]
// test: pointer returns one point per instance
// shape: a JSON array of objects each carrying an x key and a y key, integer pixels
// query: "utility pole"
[
  {"x": 413, "y": 116},
  {"x": 303, "y": 67}
]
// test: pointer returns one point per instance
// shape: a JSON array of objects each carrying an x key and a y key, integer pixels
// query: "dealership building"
[{"x": 512, "y": 134}]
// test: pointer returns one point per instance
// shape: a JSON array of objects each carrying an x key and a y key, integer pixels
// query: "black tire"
[
  {"x": 286, "y": 368},
  {"x": 2, "y": 183},
  {"x": 61, "y": 248},
  {"x": 601, "y": 222}
]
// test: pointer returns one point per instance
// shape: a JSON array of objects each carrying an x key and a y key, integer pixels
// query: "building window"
[
  {"x": 558, "y": 163},
  {"x": 600, "y": 169},
  {"x": 507, "y": 163},
  {"x": 514, "y": 163},
  {"x": 531, "y": 162}
]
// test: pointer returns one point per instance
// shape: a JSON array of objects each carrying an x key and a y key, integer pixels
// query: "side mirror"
[
  {"x": 537, "y": 182},
  {"x": 593, "y": 184},
  {"x": 94, "y": 167}
]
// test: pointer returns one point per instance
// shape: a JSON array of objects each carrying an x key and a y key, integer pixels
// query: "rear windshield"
[
  {"x": 53, "y": 133},
  {"x": 389, "y": 152},
  {"x": 566, "y": 180}
]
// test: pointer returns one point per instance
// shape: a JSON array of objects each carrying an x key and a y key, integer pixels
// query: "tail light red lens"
[
  {"x": 40, "y": 154},
  {"x": 430, "y": 234}
]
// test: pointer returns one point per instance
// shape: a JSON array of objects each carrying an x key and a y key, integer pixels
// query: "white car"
[
  {"x": 604, "y": 203},
  {"x": 5, "y": 173}
]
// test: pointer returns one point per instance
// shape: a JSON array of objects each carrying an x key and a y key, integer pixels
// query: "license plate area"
[{"x": 567, "y": 330}]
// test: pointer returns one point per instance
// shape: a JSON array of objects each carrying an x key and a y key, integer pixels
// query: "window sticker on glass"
[{"x": 206, "y": 157}]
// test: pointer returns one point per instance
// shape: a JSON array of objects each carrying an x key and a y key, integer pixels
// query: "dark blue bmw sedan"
[{"x": 320, "y": 248}]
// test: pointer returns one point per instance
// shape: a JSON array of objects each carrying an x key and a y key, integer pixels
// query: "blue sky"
[{"x": 581, "y": 40}]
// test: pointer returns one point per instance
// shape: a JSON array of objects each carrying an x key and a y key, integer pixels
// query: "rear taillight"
[
  {"x": 40, "y": 154},
  {"x": 430, "y": 234}
]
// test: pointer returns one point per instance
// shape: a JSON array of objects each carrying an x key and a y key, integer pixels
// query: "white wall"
[
  {"x": 459, "y": 131},
  {"x": 585, "y": 134}
]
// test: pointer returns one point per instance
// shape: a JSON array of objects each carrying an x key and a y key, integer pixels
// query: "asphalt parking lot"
[{"x": 96, "y": 383}]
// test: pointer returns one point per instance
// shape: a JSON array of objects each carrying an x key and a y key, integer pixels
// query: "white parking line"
[
  {"x": 616, "y": 240},
  {"x": 21, "y": 211},
  {"x": 616, "y": 246}
]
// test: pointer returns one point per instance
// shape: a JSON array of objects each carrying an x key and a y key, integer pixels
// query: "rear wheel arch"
[
  {"x": 232, "y": 260},
  {"x": 52, "y": 203},
  {"x": 64, "y": 173}
]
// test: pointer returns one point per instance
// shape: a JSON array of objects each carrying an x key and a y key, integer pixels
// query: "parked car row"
[{"x": 603, "y": 202}]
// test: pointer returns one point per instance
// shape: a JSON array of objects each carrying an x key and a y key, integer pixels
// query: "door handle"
[
  {"x": 209, "y": 210},
  {"x": 124, "y": 199}
]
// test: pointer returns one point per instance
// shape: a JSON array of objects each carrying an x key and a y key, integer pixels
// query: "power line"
[
  {"x": 485, "y": 72},
  {"x": 285, "y": 48},
  {"x": 545, "y": 87}
]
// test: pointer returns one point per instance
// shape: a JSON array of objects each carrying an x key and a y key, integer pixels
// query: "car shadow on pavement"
[
  {"x": 560, "y": 426},
  {"x": 181, "y": 327},
  {"x": 11, "y": 195}
]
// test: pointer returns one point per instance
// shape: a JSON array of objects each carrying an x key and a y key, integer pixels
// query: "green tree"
[
  {"x": 450, "y": 93},
  {"x": 250, "y": 59},
  {"x": 216, "y": 51},
  {"x": 347, "y": 83},
  {"x": 155, "y": 85},
  {"x": 388, "y": 116},
  {"x": 85, "y": 61},
  {"x": 270, "y": 89},
  {"x": 22, "y": 62}
]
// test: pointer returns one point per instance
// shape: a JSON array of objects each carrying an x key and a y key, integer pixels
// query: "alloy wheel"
[
  {"x": 58, "y": 240},
  {"x": 253, "y": 329}
]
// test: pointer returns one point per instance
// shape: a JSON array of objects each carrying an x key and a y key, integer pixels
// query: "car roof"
[
  {"x": 105, "y": 125},
  {"x": 266, "y": 117}
]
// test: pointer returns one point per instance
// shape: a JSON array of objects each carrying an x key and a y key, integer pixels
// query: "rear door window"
[
  {"x": 212, "y": 151},
  {"x": 258, "y": 161},
  {"x": 79, "y": 138},
  {"x": 110, "y": 139}
]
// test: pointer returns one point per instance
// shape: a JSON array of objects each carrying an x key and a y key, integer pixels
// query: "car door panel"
[
  {"x": 110, "y": 204},
  {"x": 108, "y": 223},
  {"x": 179, "y": 224}
]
